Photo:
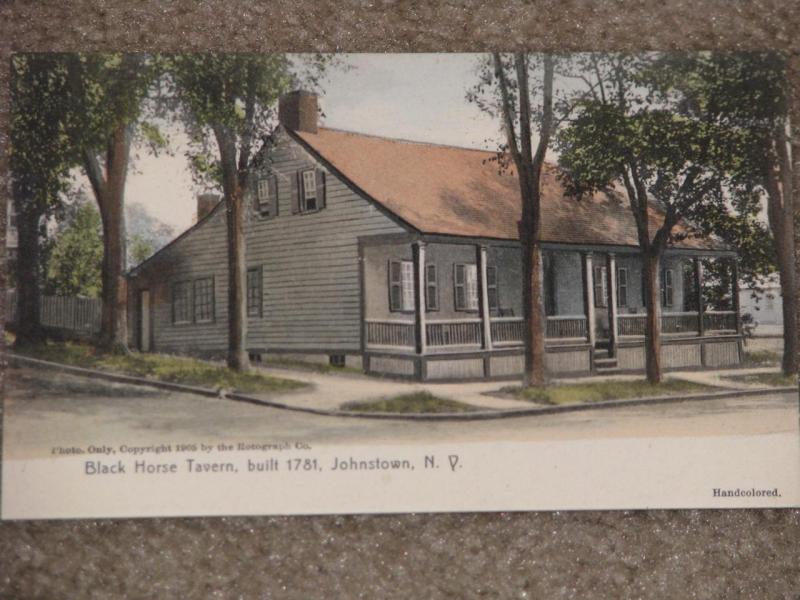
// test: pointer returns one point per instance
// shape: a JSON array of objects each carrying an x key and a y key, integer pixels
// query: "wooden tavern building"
[{"x": 403, "y": 258}]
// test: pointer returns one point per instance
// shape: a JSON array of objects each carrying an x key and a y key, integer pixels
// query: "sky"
[{"x": 410, "y": 96}]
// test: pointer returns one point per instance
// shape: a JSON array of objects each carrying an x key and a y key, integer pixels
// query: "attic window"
[{"x": 309, "y": 200}]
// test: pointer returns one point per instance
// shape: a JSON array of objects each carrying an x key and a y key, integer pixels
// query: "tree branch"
[{"x": 508, "y": 120}]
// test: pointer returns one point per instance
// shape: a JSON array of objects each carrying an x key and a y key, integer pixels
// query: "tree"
[
  {"x": 228, "y": 101},
  {"x": 669, "y": 164},
  {"x": 39, "y": 160},
  {"x": 105, "y": 99},
  {"x": 746, "y": 98},
  {"x": 509, "y": 80},
  {"x": 74, "y": 268}
]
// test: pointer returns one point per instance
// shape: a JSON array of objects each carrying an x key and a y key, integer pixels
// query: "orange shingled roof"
[{"x": 459, "y": 191}]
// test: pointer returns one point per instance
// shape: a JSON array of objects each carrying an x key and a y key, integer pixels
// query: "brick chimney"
[
  {"x": 205, "y": 204},
  {"x": 297, "y": 111}
]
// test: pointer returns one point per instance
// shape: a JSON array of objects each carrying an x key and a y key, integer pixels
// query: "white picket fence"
[{"x": 69, "y": 313}]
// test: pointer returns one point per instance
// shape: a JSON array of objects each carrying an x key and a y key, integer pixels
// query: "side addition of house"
[{"x": 403, "y": 258}]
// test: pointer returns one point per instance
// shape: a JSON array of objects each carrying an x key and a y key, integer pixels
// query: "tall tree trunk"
[
  {"x": 114, "y": 319},
  {"x": 28, "y": 327},
  {"x": 237, "y": 271},
  {"x": 651, "y": 264},
  {"x": 533, "y": 301}
]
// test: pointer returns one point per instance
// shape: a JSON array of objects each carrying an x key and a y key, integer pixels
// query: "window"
[
  {"x": 309, "y": 196},
  {"x": 600, "y": 287},
  {"x": 180, "y": 302},
  {"x": 667, "y": 294},
  {"x": 431, "y": 288},
  {"x": 622, "y": 287},
  {"x": 491, "y": 288},
  {"x": 267, "y": 196},
  {"x": 401, "y": 286},
  {"x": 466, "y": 287},
  {"x": 203, "y": 300},
  {"x": 254, "y": 292}
]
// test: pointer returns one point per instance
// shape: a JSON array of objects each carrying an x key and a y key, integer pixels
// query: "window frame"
[
  {"x": 304, "y": 195},
  {"x": 466, "y": 286},
  {"x": 267, "y": 203},
  {"x": 400, "y": 284},
  {"x": 259, "y": 312},
  {"x": 196, "y": 296},
  {"x": 188, "y": 302}
]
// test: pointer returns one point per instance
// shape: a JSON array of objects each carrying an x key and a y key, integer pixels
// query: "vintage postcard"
[{"x": 371, "y": 283}]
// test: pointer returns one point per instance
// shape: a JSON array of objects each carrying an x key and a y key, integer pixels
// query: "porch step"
[
  {"x": 608, "y": 370},
  {"x": 604, "y": 364}
]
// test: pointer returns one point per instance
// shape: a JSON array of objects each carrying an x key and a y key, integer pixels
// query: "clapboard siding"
[{"x": 310, "y": 268}]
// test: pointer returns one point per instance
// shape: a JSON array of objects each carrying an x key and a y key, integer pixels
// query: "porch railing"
[
  {"x": 566, "y": 326},
  {"x": 398, "y": 334},
  {"x": 507, "y": 330},
  {"x": 723, "y": 320},
  {"x": 455, "y": 332},
  {"x": 683, "y": 322}
]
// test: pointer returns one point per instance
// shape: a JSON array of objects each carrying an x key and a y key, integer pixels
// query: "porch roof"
[{"x": 459, "y": 191}]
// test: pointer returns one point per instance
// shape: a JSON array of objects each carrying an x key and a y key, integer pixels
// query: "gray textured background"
[{"x": 694, "y": 554}]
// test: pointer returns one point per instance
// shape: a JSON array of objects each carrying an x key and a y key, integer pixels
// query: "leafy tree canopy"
[{"x": 76, "y": 256}]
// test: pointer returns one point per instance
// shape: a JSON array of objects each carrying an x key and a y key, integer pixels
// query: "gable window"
[
  {"x": 255, "y": 293},
  {"x": 401, "y": 286},
  {"x": 203, "y": 300},
  {"x": 667, "y": 292},
  {"x": 431, "y": 288},
  {"x": 466, "y": 287},
  {"x": 267, "y": 196},
  {"x": 622, "y": 287},
  {"x": 600, "y": 287},
  {"x": 310, "y": 195},
  {"x": 491, "y": 288},
  {"x": 180, "y": 302}
]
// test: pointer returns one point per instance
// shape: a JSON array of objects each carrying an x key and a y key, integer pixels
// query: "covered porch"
[{"x": 437, "y": 307}]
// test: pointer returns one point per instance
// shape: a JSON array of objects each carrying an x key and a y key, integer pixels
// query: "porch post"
[
  {"x": 698, "y": 284},
  {"x": 613, "y": 324},
  {"x": 486, "y": 323},
  {"x": 588, "y": 296},
  {"x": 419, "y": 300}
]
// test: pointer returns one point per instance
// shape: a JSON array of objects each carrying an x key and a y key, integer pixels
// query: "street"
[{"x": 44, "y": 410}]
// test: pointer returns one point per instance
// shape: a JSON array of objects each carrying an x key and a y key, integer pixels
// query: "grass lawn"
[
  {"x": 161, "y": 367},
  {"x": 603, "y": 390},
  {"x": 414, "y": 402},
  {"x": 767, "y": 379},
  {"x": 761, "y": 358}
]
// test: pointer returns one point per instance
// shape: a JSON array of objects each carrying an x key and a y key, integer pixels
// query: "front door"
[{"x": 144, "y": 320}]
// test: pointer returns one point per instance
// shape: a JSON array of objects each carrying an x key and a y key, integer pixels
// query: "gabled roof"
[{"x": 458, "y": 191}]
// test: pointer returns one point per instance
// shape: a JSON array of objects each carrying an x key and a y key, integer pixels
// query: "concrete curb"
[{"x": 480, "y": 415}]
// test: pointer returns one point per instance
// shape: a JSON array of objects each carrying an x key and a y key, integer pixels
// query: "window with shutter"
[
  {"x": 401, "y": 286},
  {"x": 263, "y": 196},
  {"x": 491, "y": 288},
  {"x": 308, "y": 200},
  {"x": 622, "y": 287},
  {"x": 431, "y": 288},
  {"x": 466, "y": 287}
]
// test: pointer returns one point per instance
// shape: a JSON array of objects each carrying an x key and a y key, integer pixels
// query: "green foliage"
[
  {"x": 39, "y": 151},
  {"x": 766, "y": 379},
  {"x": 76, "y": 256},
  {"x": 600, "y": 391},
  {"x": 145, "y": 234},
  {"x": 413, "y": 402}
]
